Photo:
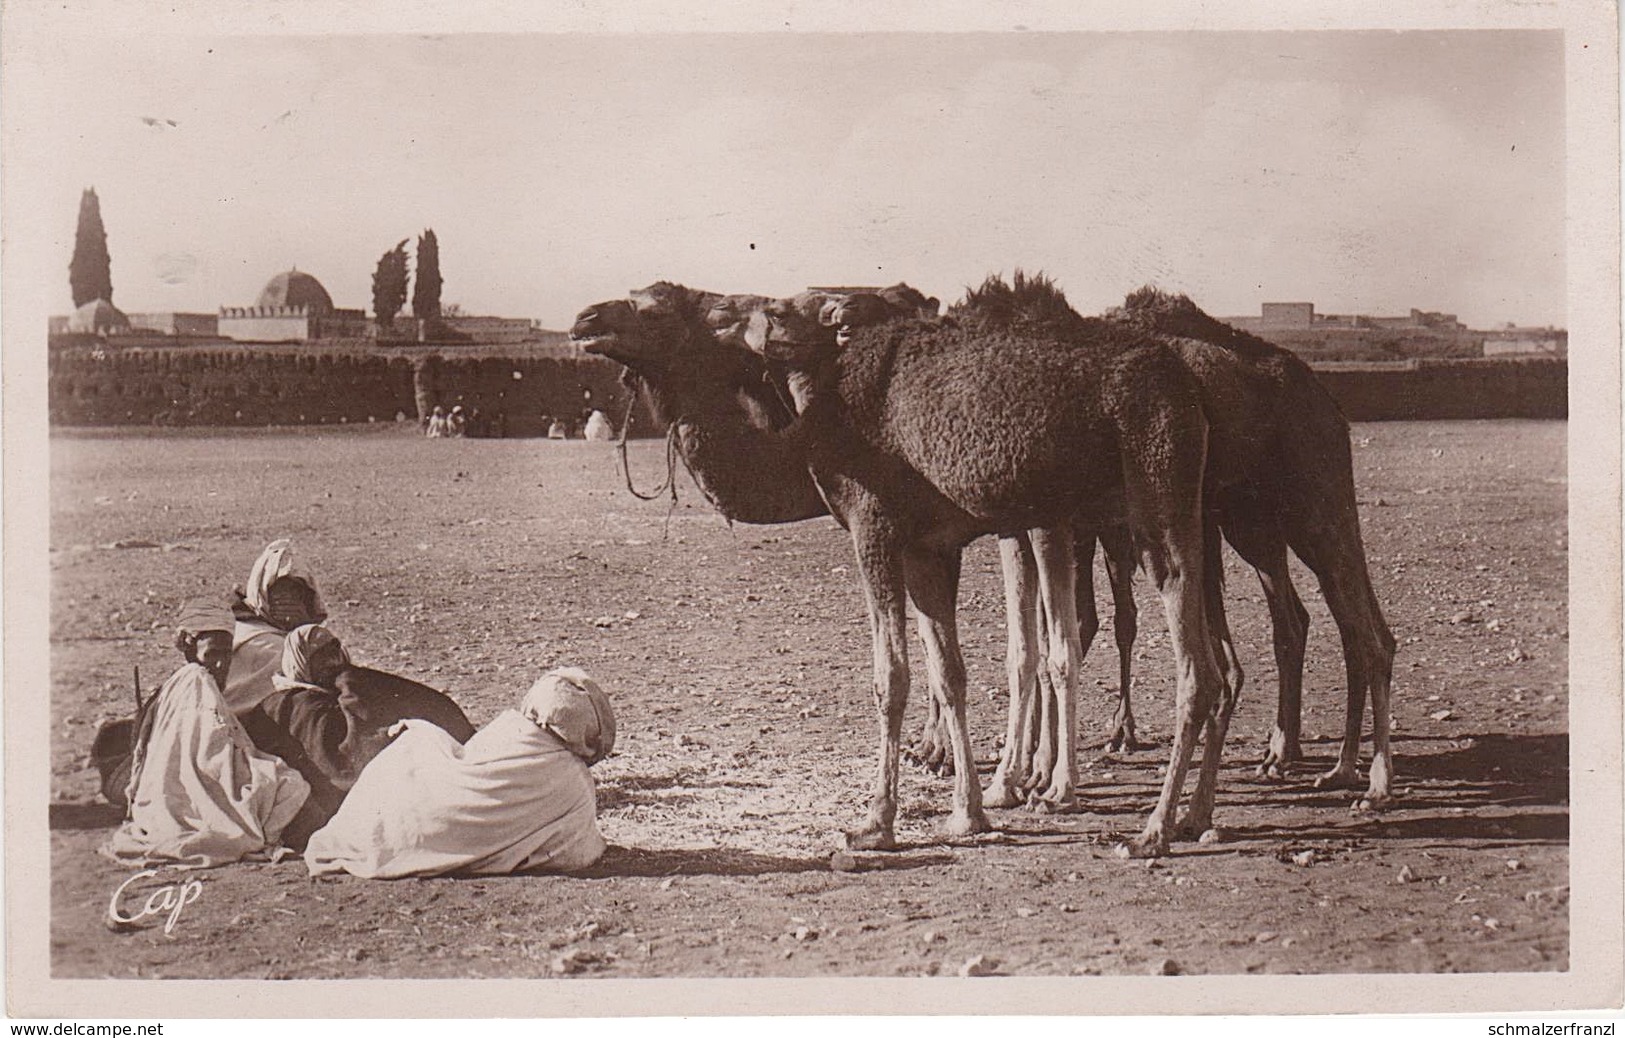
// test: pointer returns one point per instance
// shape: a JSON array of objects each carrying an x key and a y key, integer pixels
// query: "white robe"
[
  {"x": 513, "y": 798},
  {"x": 200, "y": 794}
]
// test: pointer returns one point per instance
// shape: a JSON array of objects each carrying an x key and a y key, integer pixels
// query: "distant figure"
[
  {"x": 437, "y": 424},
  {"x": 558, "y": 430},
  {"x": 599, "y": 427},
  {"x": 456, "y": 423}
]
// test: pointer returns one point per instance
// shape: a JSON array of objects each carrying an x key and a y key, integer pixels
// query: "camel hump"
[
  {"x": 1175, "y": 314},
  {"x": 1026, "y": 299}
]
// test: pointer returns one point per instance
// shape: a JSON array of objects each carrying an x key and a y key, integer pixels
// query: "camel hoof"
[
  {"x": 1338, "y": 778},
  {"x": 1001, "y": 793},
  {"x": 1146, "y": 845},
  {"x": 1192, "y": 828},
  {"x": 1272, "y": 771},
  {"x": 1370, "y": 803},
  {"x": 1033, "y": 783},
  {"x": 871, "y": 838},
  {"x": 968, "y": 824},
  {"x": 1052, "y": 803},
  {"x": 931, "y": 760}
]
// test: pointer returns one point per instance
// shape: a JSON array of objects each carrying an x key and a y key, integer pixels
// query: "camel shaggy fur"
[
  {"x": 925, "y": 434},
  {"x": 1280, "y": 474}
]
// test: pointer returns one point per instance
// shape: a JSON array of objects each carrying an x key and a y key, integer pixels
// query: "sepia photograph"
[{"x": 995, "y": 503}]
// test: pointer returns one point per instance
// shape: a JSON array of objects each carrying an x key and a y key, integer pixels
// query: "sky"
[{"x": 1367, "y": 172}]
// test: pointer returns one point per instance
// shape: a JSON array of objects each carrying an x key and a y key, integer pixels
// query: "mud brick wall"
[
  {"x": 525, "y": 392},
  {"x": 254, "y": 386},
  {"x": 257, "y": 387},
  {"x": 1535, "y": 387}
]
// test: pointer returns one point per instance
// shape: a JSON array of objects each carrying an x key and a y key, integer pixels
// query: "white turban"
[
  {"x": 574, "y": 708},
  {"x": 297, "y": 652},
  {"x": 274, "y": 563}
]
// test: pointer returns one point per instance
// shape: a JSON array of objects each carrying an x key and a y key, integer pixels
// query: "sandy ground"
[{"x": 738, "y": 660}]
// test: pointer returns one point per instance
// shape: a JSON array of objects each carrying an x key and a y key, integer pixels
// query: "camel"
[
  {"x": 713, "y": 394},
  {"x": 927, "y": 572},
  {"x": 1279, "y": 474},
  {"x": 718, "y": 403},
  {"x": 1026, "y": 769},
  {"x": 924, "y": 436}
]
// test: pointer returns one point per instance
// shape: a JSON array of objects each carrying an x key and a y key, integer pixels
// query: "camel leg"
[
  {"x": 933, "y": 588},
  {"x": 1042, "y": 729},
  {"x": 1199, "y": 816},
  {"x": 1368, "y": 650},
  {"x": 1057, "y": 572},
  {"x": 1257, "y": 539},
  {"x": 1326, "y": 536},
  {"x": 1021, "y": 670},
  {"x": 1119, "y": 551},
  {"x": 884, "y": 591},
  {"x": 1162, "y": 475},
  {"x": 929, "y": 752},
  {"x": 1321, "y": 522}
]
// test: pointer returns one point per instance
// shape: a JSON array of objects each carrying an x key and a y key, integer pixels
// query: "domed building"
[
  {"x": 296, "y": 288},
  {"x": 293, "y": 307}
]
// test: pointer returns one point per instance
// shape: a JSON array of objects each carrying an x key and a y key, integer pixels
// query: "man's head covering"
[
  {"x": 274, "y": 563},
  {"x": 297, "y": 653},
  {"x": 574, "y": 708},
  {"x": 201, "y": 616}
]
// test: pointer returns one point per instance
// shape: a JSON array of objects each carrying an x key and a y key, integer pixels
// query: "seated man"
[
  {"x": 203, "y": 635},
  {"x": 199, "y": 793},
  {"x": 517, "y": 797},
  {"x": 328, "y": 718},
  {"x": 280, "y": 595}
]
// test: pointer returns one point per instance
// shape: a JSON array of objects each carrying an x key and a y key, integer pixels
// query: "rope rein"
[{"x": 670, "y": 484}]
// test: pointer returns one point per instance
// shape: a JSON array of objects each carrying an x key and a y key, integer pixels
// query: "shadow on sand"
[
  {"x": 93, "y": 815},
  {"x": 723, "y": 861}
]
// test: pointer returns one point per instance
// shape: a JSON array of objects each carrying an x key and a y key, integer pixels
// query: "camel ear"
[
  {"x": 756, "y": 331},
  {"x": 933, "y": 307}
]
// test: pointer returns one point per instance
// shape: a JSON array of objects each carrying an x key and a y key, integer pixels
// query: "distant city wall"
[
  {"x": 264, "y": 386},
  {"x": 261, "y": 386},
  {"x": 1524, "y": 387}
]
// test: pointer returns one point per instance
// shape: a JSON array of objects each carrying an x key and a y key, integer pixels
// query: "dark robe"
[{"x": 329, "y": 735}]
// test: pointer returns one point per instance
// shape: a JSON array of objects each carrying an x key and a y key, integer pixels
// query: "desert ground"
[{"x": 738, "y": 661}]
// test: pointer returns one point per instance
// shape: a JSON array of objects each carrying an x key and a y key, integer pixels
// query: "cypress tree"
[
  {"x": 389, "y": 284},
  {"x": 90, "y": 272},
  {"x": 426, "y": 289}
]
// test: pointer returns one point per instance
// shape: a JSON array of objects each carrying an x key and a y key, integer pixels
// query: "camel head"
[
  {"x": 653, "y": 329},
  {"x": 794, "y": 330},
  {"x": 738, "y": 319},
  {"x": 866, "y": 309}
]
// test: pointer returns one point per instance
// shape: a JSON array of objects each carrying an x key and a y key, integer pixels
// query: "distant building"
[
  {"x": 489, "y": 329},
  {"x": 294, "y": 307},
  {"x": 177, "y": 324},
  {"x": 1302, "y": 317},
  {"x": 1287, "y": 315},
  {"x": 1510, "y": 340}
]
